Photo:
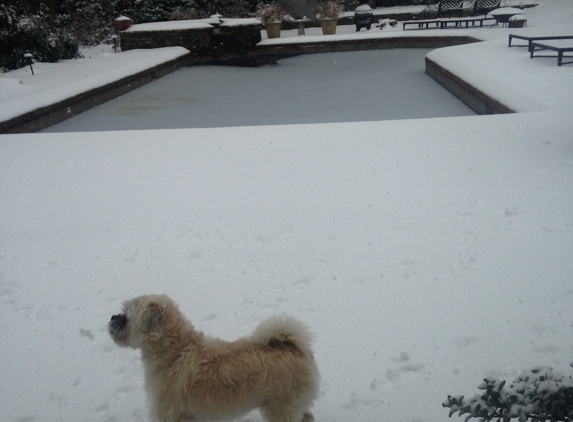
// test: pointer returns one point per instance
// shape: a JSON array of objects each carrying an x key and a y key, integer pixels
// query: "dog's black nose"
[{"x": 118, "y": 321}]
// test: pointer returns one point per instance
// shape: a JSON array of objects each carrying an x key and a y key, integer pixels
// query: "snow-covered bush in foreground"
[{"x": 538, "y": 395}]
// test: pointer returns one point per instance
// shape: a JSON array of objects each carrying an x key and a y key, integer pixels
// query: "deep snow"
[
  {"x": 422, "y": 262},
  {"x": 425, "y": 254}
]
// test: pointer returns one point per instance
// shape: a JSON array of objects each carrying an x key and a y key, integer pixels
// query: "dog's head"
[{"x": 142, "y": 321}]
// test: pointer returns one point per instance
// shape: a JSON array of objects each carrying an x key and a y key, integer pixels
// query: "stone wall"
[
  {"x": 235, "y": 40},
  {"x": 214, "y": 42},
  {"x": 197, "y": 41}
]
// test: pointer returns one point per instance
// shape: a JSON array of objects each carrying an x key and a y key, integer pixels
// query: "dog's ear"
[{"x": 152, "y": 316}]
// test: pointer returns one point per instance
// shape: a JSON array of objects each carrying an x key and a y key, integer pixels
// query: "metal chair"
[{"x": 483, "y": 7}]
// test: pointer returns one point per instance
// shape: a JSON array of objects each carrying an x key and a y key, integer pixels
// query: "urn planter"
[
  {"x": 273, "y": 29},
  {"x": 329, "y": 26}
]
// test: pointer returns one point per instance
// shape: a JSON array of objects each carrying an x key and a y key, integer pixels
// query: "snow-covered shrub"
[
  {"x": 22, "y": 34},
  {"x": 229, "y": 8},
  {"x": 537, "y": 395},
  {"x": 8, "y": 28},
  {"x": 329, "y": 9},
  {"x": 69, "y": 45},
  {"x": 269, "y": 12},
  {"x": 184, "y": 14},
  {"x": 141, "y": 11},
  {"x": 353, "y": 4},
  {"x": 90, "y": 22}
]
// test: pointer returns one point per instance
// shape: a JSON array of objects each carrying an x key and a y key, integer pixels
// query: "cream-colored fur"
[{"x": 190, "y": 376}]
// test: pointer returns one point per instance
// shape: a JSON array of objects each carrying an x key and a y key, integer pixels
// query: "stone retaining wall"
[
  {"x": 328, "y": 46},
  {"x": 197, "y": 41},
  {"x": 212, "y": 42},
  {"x": 235, "y": 40}
]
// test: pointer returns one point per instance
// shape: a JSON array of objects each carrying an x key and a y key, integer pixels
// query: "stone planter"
[
  {"x": 122, "y": 23},
  {"x": 517, "y": 22},
  {"x": 273, "y": 29},
  {"x": 329, "y": 26}
]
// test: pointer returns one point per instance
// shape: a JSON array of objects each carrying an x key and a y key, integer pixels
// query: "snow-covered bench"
[
  {"x": 459, "y": 23},
  {"x": 532, "y": 39},
  {"x": 422, "y": 23},
  {"x": 560, "y": 46}
]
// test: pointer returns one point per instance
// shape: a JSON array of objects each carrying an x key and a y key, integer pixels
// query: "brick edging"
[
  {"x": 478, "y": 101},
  {"x": 361, "y": 44},
  {"x": 43, "y": 117}
]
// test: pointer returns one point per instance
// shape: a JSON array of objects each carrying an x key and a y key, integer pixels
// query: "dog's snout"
[{"x": 118, "y": 321}]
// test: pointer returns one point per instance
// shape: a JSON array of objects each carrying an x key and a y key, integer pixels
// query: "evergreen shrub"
[{"x": 33, "y": 34}]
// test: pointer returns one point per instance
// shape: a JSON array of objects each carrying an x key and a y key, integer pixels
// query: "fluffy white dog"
[{"x": 190, "y": 376}]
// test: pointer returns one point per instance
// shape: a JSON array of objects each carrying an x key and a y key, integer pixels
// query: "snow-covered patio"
[{"x": 424, "y": 255}]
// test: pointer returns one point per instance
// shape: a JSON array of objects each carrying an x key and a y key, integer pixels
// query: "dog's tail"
[{"x": 284, "y": 332}]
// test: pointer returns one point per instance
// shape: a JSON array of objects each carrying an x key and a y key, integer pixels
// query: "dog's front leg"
[
  {"x": 169, "y": 414},
  {"x": 308, "y": 417}
]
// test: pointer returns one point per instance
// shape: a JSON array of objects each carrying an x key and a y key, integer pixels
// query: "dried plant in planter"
[
  {"x": 329, "y": 10},
  {"x": 269, "y": 12}
]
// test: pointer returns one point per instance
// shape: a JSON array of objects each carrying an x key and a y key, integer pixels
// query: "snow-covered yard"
[{"x": 425, "y": 254}]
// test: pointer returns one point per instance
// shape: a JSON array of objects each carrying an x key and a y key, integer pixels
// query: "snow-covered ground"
[{"x": 425, "y": 254}]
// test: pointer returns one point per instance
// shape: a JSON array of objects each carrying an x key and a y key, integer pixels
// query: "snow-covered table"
[{"x": 502, "y": 15}]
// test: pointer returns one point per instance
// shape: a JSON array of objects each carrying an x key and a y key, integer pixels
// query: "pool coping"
[{"x": 43, "y": 117}]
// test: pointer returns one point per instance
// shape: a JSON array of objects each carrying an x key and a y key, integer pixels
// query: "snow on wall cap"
[
  {"x": 168, "y": 26},
  {"x": 241, "y": 22},
  {"x": 517, "y": 18},
  {"x": 363, "y": 8},
  {"x": 210, "y": 21},
  {"x": 123, "y": 18}
]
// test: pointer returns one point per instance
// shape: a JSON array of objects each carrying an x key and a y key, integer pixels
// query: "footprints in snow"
[
  {"x": 403, "y": 367},
  {"x": 356, "y": 403},
  {"x": 87, "y": 334}
]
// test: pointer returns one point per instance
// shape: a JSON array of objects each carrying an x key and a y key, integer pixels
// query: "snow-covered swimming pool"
[{"x": 317, "y": 88}]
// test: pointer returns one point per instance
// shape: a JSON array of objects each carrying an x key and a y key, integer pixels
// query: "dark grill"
[{"x": 363, "y": 17}]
